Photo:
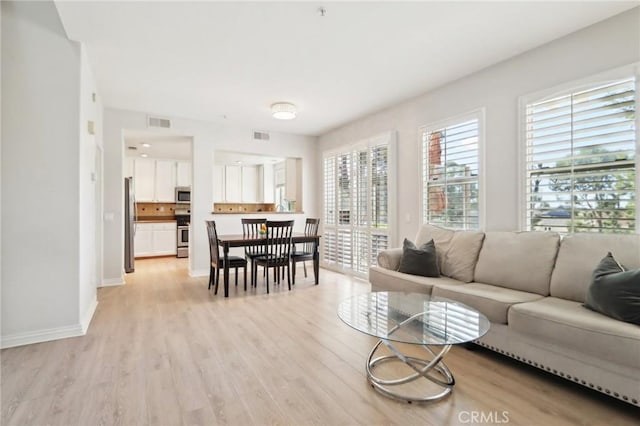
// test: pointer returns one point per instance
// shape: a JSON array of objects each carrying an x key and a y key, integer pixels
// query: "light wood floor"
[{"x": 162, "y": 350}]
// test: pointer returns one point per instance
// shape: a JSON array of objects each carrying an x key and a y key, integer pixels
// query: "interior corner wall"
[
  {"x": 605, "y": 45},
  {"x": 207, "y": 138},
  {"x": 40, "y": 168}
]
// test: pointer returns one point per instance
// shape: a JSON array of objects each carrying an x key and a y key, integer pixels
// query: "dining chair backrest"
[
  {"x": 310, "y": 228},
  {"x": 278, "y": 241},
  {"x": 213, "y": 241},
  {"x": 251, "y": 228}
]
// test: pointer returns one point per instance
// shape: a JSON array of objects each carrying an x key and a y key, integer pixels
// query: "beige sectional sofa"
[{"x": 531, "y": 286}]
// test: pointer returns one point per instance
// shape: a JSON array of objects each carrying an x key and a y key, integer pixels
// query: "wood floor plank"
[{"x": 163, "y": 350}]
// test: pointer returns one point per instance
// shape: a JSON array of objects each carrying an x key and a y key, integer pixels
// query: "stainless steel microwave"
[{"x": 183, "y": 195}]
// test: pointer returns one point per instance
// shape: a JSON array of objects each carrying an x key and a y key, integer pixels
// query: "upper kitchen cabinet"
[
  {"x": 250, "y": 184},
  {"x": 144, "y": 179},
  {"x": 183, "y": 174},
  {"x": 155, "y": 180},
  {"x": 165, "y": 181},
  {"x": 254, "y": 178}
]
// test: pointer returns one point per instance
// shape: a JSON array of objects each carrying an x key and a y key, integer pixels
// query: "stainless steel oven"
[
  {"x": 183, "y": 218},
  {"x": 183, "y": 195}
]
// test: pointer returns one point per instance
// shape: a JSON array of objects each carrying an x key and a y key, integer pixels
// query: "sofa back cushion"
[
  {"x": 579, "y": 256},
  {"x": 457, "y": 251},
  {"x": 441, "y": 238},
  {"x": 518, "y": 260},
  {"x": 460, "y": 260}
]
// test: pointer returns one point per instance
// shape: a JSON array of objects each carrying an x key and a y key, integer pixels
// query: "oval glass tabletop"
[{"x": 413, "y": 318}]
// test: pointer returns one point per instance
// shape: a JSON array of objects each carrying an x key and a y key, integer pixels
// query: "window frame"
[
  {"x": 478, "y": 114},
  {"x": 585, "y": 83}
]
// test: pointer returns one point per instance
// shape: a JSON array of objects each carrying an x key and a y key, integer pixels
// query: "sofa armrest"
[{"x": 390, "y": 259}]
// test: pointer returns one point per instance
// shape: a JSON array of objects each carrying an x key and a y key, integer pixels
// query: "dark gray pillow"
[
  {"x": 419, "y": 261},
  {"x": 615, "y": 292}
]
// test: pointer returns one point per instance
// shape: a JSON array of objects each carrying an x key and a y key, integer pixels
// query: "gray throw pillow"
[
  {"x": 615, "y": 292},
  {"x": 419, "y": 261}
]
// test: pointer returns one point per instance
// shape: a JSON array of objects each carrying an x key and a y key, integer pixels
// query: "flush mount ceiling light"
[
  {"x": 283, "y": 111},
  {"x": 146, "y": 145},
  {"x": 143, "y": 155}
]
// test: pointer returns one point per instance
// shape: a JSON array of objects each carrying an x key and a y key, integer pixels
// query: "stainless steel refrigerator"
[{"x": 129, "y": 224}]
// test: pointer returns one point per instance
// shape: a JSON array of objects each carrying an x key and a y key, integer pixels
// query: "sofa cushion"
[
  {"x": 419, "y": 260},
  {"x": 493, "y": 301},
  {"x": 518, "y": 260},
  {"x": 390, "y": 258},
  {"x": 386, "y": 280},
  {"x": 615, "y": 292},
  {"x": 580, "y": 253},
  {"x": 569, "y": 324},
  {"x": 462, "y": 255},
  {"x": 441, "y": 238}
]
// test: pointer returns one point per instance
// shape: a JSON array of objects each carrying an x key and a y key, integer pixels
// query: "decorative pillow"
[
  {"x": 419, "y": 261},
  {"x": 615, "y": 292}
]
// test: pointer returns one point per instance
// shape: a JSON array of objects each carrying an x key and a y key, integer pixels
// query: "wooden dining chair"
[
  {"x": 277, "y": 250},
  {"x": 305, "y": 251},
  {"x": 251, "y": 228},
  {"x": 217, "y": 262}
]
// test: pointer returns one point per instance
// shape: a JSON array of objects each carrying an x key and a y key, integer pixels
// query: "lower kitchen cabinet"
[{"x": 155, "y": 239}]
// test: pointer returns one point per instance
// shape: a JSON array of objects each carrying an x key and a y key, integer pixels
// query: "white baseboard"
[
  {"x": 30, "y": 337},
  {"x": 88, "y": 315},
  {"x": 199, "y": 273},
  {"x": 112, "y": 282}
]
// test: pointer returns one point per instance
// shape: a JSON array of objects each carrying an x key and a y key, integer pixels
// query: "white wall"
[
  {"x": 605, "y": 45},
  {"x": 207, "y": 138},
  {"x": 90, "y": 110},
  {"x": 43, "y": 199}
]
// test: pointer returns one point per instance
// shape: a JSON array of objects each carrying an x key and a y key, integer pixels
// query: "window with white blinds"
[
  {"x": 450, "y": 166},
  {"x": 581, "y": 160},
  {"x": 356, "y": 206}
]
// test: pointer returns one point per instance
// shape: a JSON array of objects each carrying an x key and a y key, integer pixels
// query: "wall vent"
[
  {"x": 260, "y": 136},
  {"x": 163, "y": 123}
]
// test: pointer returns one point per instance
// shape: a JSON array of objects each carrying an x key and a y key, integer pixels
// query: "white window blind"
[
  {"x": 450, "y": 165},
  {"x": 356, "y": 206},
  {"x": 581, "y": 160}
]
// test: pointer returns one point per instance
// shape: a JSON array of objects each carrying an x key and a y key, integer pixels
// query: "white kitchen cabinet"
[
  {"x": 155, "y": 239},
  {"x": 268, "y": 195},
  {"x": 154, "y": 180},
  {"x": 165, "y": 181},
  {"x": 183, "y": 174},
  {"x": 233, "y": 184},
  {"x": 164, "y": 239},
  {"x": 144, "y": 179},
  {"x": 143, "y": 240},
  {"x": 218, "y": 184},
  {"x": 249, "y": 184}
]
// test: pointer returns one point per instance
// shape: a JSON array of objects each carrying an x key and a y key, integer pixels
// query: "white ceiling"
[
  {"x": 162, "y": 145},
  {"x": 210, "y": 60}
]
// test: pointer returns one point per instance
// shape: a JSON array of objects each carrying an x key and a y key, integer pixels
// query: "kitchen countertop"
[
  {"x": 155, "y": 220},
  {"x": 258, "y": 213}
]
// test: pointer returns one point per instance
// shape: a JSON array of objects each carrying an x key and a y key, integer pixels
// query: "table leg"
[{"x": 226, "y": 270}]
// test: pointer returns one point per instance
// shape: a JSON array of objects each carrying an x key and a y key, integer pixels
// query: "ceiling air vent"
[
  {"x": 260, "y": 136},
  {"x": 163, "y": 123},
  {"x": 132, "y": 148}
]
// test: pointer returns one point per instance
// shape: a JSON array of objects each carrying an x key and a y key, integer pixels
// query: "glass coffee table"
[{"x": 431, "y": 323}]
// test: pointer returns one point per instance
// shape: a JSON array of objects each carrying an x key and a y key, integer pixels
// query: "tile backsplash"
[{"x": 156, "y": 209}]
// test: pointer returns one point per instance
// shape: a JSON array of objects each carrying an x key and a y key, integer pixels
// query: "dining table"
[{"x": 239, "y": 240}]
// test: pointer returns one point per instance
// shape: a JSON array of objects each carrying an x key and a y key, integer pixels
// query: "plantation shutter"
[
  {"x": 450, "y": 166},
  {"x": 356, "y": 206},
  {"x": 580, "y": 160}
]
